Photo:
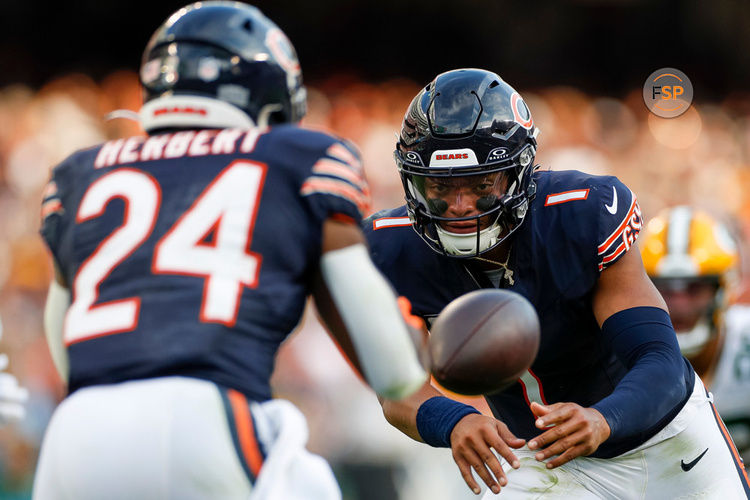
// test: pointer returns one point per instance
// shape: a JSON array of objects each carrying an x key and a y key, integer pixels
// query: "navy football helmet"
[
  {"x": 220, "y": 64},
  {"x": 465, "y": 155}
]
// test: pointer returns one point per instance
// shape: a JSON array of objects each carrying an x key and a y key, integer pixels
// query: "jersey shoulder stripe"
[
  {"x": 339, "y": 188},
  {"x": 573, "y": 195},
  {"x": 623, "y": 237},
  {"x": 384, "y": 222},
  {"x": 325, "y": 166},
  {"x": 51, "y": 202},
  {"x": 51, "y": 207},
  {"x": 340, "y": 152}
]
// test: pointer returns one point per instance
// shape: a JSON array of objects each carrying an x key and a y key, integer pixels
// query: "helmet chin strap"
[{"x": 187, "y": 111}]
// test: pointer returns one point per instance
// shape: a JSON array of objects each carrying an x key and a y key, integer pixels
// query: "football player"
[
  {"x": 693, "y": 259},
  {"x": 609, "y": 408},
  {"x": 184, "y": 259}
]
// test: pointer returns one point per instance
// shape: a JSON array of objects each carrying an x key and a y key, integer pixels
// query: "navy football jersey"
[
  {"x": 191, "y": 253},
  {"x": 576, "y": 226}
]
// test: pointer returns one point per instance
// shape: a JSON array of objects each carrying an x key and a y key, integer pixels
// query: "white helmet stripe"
[{"x": 678, "y": 234}]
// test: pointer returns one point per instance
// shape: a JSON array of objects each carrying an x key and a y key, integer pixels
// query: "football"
[{"x": 482, "y": 342}]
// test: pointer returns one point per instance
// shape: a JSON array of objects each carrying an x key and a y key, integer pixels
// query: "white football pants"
[
  {"x": 178, "y": 438},
  {"x": 692, "y": 457}
]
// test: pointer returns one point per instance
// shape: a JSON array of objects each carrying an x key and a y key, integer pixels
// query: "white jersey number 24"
[{"x": 227, "y": 206}]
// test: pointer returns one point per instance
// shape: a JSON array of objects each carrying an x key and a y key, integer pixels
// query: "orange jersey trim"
[
  {"x": 339, "y": 152},
  {"x": 245, "y": 431},
  {"x": 49, "y": 190},
  {"x": 338, "y": 169},
  {"x": 405, "y": 306},
  {"x": 337, "y": 188},
  {"x": 50, "y": 207},
  {"x": 732, "y": 448},
  {"x": 343, "y": 218},
  {"x": 618, "y": 232}
]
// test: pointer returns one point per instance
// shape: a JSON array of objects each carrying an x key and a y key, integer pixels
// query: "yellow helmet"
[{"x": 692, "y": 259}]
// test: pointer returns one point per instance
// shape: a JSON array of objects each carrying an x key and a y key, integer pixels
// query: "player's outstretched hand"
[
  {"x": 576, "y": 431},
  {"x": 12, "y": 396},
  {"x": 471, "y": 440}
]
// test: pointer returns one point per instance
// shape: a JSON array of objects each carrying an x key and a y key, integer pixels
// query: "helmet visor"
[
  {"x": 175, "y": 62},
  {"x": 458, "y": 202}
]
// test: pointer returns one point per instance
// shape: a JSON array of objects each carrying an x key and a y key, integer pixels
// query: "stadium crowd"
[{"x": 701, "y": 158}]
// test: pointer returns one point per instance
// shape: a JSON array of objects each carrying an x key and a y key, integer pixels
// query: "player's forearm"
[
  {"x": 646, "y": 398},
  {"x": 58, "y": 301},
  {"x": 402, "y": 414},
  {"x": 655, "y": 385},
  {"x": 374, "y": 324}
]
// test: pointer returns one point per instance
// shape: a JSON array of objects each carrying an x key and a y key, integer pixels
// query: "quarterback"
[{"x": 610, "y": 408}]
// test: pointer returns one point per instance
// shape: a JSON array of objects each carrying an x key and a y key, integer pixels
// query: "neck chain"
[{"x": 508, "y": 274}]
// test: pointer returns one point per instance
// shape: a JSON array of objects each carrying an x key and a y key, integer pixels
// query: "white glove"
[{"x": 12, "y": 395}]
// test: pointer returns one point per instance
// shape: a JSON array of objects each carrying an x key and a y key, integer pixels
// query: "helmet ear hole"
[{"x": 248, "y": 25}]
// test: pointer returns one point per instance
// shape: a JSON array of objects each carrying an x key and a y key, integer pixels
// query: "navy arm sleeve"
[{"x": 658, "y": 382}]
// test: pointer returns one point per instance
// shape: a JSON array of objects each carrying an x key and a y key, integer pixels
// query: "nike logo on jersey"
[
  {"x": 687, "y": 466},
  {"x": 612, "y": 208}
]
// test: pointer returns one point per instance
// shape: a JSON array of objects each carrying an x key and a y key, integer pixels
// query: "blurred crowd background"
[{"x": 580, "y": 66}]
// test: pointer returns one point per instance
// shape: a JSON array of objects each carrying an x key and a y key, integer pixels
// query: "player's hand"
[
  {"x": 471, "y": 440},
  {"x": 576, "y": 431},
  {"x": 12, "y": 396}
]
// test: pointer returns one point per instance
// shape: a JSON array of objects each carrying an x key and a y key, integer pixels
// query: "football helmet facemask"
[
  {"x": 220, "y": 64},
  {"x": 692, "y": 259},
  {"x": 465, "y": 156}
]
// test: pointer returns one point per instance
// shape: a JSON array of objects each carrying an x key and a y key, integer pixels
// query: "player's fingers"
[
  {"x": 465, "y": 469},
  {"x": 538, "y": 410},
  {"x": 560, "y": 446},
  {"x": 501, "y": 446},
  {"x": 566, "y": 457},
  {"x": 508, "y": 437},
  {"x": 491, "y": 461},
  {"x": 552, "y": 435},
  {"x": 558, "y": 413},
  {"x": 545, "y": 438},
  {"x": 477, "y": 461}
]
